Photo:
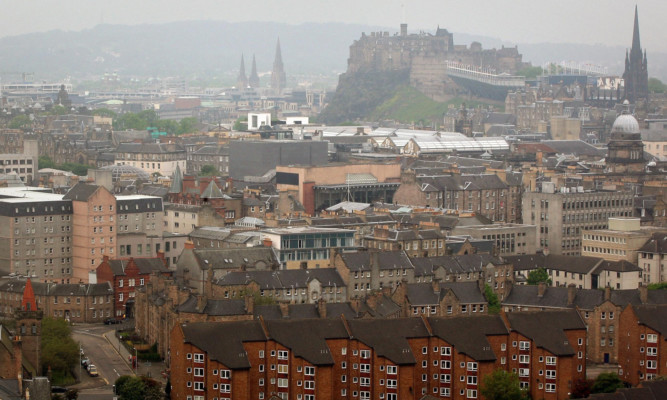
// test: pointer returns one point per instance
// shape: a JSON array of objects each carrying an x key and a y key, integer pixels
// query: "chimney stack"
[
  {"x": 249, "y": 304},
  {"x": 284, "y": 309},
  {"x": 643, "y": 293},
  {"x": 607, "y": 293},
  {"x": 571, "y": 293},
  {"x": 541, "y": 288},
  {"x": 322, "y": 307}
]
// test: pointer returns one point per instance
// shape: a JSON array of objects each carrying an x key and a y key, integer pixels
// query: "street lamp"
[{"x": 80, "y": 355}]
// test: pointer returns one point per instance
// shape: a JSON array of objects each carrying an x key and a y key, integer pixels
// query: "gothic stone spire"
[
  {"x": 278, "y": 77},
  {"x": 242, "y": 81},
  {"x": 253, "y": 81}
]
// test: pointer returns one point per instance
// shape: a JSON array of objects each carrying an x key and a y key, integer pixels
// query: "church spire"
[
  {"x": 253, "y": 81},
  {"x": 278, "y": 77},
  {"x": 242, "y": 81},
  {"x": 636, "y": 44},
  {"x": 28, "y": 302}
]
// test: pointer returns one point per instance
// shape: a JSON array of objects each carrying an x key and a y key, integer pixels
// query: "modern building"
[
  {"x": 320, "y": 187},
  {"x": 643, "y": 331},
  {"x": 561, "y": 216},
  {"x": 24, "y": 164},
  {"x": 621, "y": 241},
  {"x": 307, "y": 247},
  {"x": 256, "y": 158},
  {"x": 509, "y": 239}
]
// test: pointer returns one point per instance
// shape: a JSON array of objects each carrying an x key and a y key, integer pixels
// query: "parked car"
[
  {"x": 85, "y": 361},
  {"x": 58, "y": 389},
  {"x": 112, "y": 321},
  {"x": 92, "y": 370}
]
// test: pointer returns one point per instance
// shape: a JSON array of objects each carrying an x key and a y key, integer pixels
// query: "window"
[
  {"x": 472, "y": 366},
  {"x": 651, "y": 364},
  {"x": 652, "y": 338},
  {"x": 199, "y": 357},
  {"x": 551, "y": 360},
  {"x": 551, "y": 374},
  {"x": 391, "y": 370},
  {"x": 524, "y": 359},
  {"x": 199, "y": 371},
  {"x": 446, "y": 351},
  {"x": 225, "y": 373},
  {"x": 550, "y": 388},
  {"x": 367, "y": 353},
  {"x": 282, "y": 369},
  {"x": 282, "y": 354},
  {"x": 199, "y": 386},
  {"x": 310, "y": 371},
  {"x": 471, "y": 394},
  {"x": 523, "y": 345},
  {"x": 651, "y": 351},
  {"x": 225, "y": 388},
  {"x": 472, "y": 380}
]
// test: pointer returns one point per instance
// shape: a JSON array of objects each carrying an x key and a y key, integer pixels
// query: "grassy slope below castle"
[{"x": 408, "y": 105}]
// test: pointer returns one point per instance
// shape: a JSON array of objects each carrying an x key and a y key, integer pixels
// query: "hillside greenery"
[
  {"x": 359, "y": 94},
  {"x": 409, "y": 105}
]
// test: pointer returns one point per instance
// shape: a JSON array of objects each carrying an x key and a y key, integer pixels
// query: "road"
[{"x": 104, "y": 356}]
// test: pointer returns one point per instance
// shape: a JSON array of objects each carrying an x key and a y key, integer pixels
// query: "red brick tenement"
[{"x": 389, "y": 359}]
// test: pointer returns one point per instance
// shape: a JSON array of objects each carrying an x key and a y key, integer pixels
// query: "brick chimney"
[
  {"x": 541, "y": 289},
  {"x": 607, "y": 294},
  {"x": 355, "y": 304},
  {"x": 266, "y": 242},
  {"x": 249, "y": 304},
  {"x": 201, "y": 303},
  {"x": 284, "y": 309},
  {"x": 322, "y": 308},
  {"x": 189, "y": 244},
  {"x": 571, "y": 293},
  {"x": 435, "y": 284},
  {"x": 18, "y": 359},
  {"x": 643, "y": 293},
  {"x": 371, "y": 301},
  {"x": 160, "y": 255}
]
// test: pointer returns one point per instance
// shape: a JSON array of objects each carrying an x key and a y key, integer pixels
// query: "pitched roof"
[
  {"x": 235, "y": 258},
  {"x": 144, "y": 265},
  {"x": 297, "y": 278},
  {"x": 576, "y": 264},
  {"x": 213, "y": 307},
  {"x": 656, "y": 244},
  {"x": 212, "y": 191},
  {"x": 388, "y": 337},
  {"x": 653, "y": 316},
  {"x": 81, "y": 192},
  {"x": 361, "y": 260},
  {"x": 227, "y": 348},
  {"x": 310, "y": 344},
  {"x": 546, "y": 328},
  {"x": 469, "y": 335}
]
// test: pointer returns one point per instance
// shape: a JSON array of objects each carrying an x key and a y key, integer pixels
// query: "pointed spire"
[
  {"x": 212, "y": 191},
  {"x": 28, "y": 303},
  {"x": 241, "y": 81},
  {"x": 253, "y": 81},
  {"x": 176, "y": 181},
  {"x": 278, "y": 77},
  {"x": 636, "y": 45}
]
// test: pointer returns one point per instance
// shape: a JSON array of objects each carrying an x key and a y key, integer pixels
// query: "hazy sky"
[{"x": 583, "y": 21}]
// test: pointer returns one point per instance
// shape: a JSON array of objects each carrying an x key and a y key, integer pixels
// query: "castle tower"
[
  {"x": 29, "y": 323},
  {"x": 253, "y": 81},
  {"x": 278, "y": 77},
  {"x": 242, "y": 81},
  {"x": 636, "y": 71}
]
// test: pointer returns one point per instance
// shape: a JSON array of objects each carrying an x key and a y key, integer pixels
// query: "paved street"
[{"x": 110, "y": 364}]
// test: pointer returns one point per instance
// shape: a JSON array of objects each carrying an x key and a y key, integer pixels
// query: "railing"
[{"x": 483, "y": 74}]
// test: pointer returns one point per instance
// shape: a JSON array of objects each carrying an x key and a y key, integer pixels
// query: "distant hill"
[{"x": 213, "y": 48}]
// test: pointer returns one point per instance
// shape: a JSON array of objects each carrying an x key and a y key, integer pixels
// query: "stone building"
[
  {"x": 636, "y": 68},
  {"x": 652, "y": 257},
  {"x": 562, "y": 215},
  {"x": 625, "y": 147},
  {"x": 621, "y": 241}
]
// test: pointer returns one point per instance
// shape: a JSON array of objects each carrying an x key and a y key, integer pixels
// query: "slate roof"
[
  {"x": 463, "y": 182},
  {"x": 653, "y": 316},
  {"x": 384, "y": 307},
  {"x": 81, "y": 192},
  {"x": 226, "y": 307},
  {"x": 150, "y": 148},
  {"x": 616, "y": 266},
  {"x": 227, "y": 348},
  {"x": 657, "y": 244},
  {"x": 282, "y": 279},
  {"x": 576, "y": 147},
  {"x": 310, "y": 344},
  {"x": 546, "y": 328},
  {"x": 422, "y": 294},
  {"x": 576, "y": 264},
  {"x": 212, "y": 191},
  {"x": 388, "y": 260},
  {"x": 145, "y": 266},
  {"x": 60, "y": 289},
  {"x": 234, "y": 258},
  {"x": 585, "y": 299},
  {"x": 388, "y": 337},
  {"x": 469, "y": 335},
  {"x": 426, "y": 266}
]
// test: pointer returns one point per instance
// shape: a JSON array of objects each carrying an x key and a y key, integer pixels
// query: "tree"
[
  {"x": 130, "y": 388},
  {"x": 20, "y": 122},
  {"x": 607, "y": 382},
  {"x": 492, "y": 299},
  {"x": 581, "y": 388},
  {"x": 655, "y": 85},
  {"x": 46, "y": 162},
  {"x": 208, "y": 170},
  {"x": 187, "y": 125},
  {"x": 502, "y": 385},
  {"x": 530, "y": 72},
  {"x": 104, "y": 112},
  {"x": 59, "y": 350},
  {"x": 537, "y": 276}
]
